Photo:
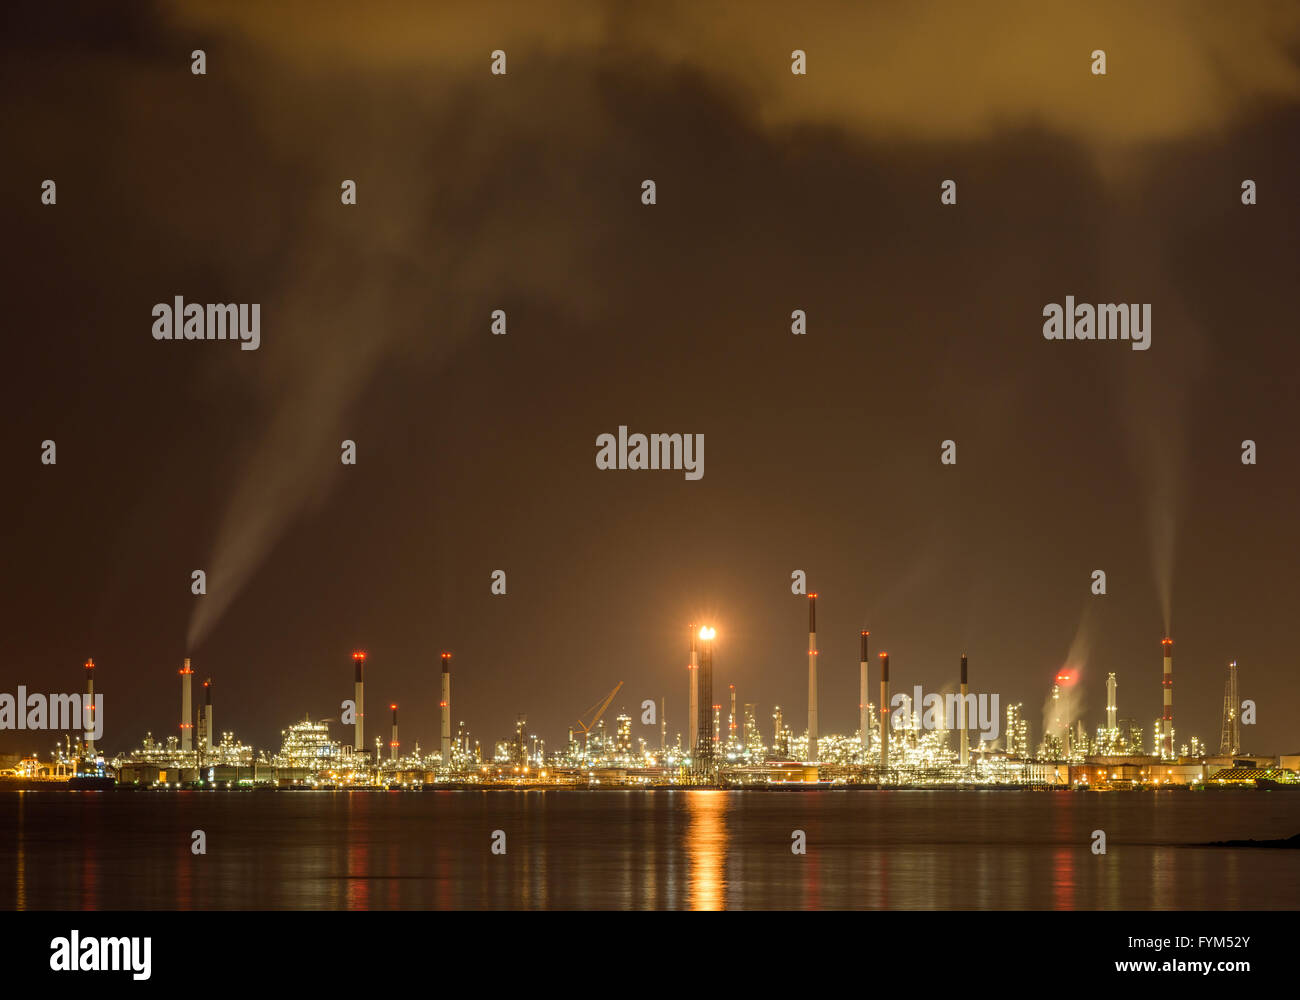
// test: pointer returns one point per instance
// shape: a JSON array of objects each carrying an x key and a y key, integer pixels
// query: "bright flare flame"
[{"x": 707, "y": 633}]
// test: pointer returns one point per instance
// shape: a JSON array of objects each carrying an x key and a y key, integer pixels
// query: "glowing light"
[{"x": 707, "y": 633}]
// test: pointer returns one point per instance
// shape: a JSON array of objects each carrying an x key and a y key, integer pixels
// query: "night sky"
[{"x": 476, "y": 452}]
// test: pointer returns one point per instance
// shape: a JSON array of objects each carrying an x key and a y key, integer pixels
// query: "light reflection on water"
[
  {"x": 706, "y": 847},
  {"x": 688, "y": 849}
]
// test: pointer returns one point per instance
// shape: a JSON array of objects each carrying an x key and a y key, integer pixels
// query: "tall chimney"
[
  {"x": 704, "y": 723},
  {"x": 884, "y": 711},
  {"x": 812, "y": 677},
  {"x": 731, "y": 723},
  {"x": 359, "y": 740},
  {"x": 693, "y": 703},
  {"x": 207, "y": 712},
  {"x": 445, "y": 706},
  {"x": 961, "y": 717},
  {"x": 187, "y": 711},
  {"x": 862, "y": 695},
  {"x": 663, "y": 725},
  {"x": 1167, "y": 719},
  {"x": 88, "y": 716},
  {"x": 392, "y": 747},
  {"x": 1110, "y": 702}
]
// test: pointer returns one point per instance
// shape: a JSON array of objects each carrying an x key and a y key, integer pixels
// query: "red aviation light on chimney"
[
  {"x": 90, "y": 664},
  {"x": 360, "y": 655}
]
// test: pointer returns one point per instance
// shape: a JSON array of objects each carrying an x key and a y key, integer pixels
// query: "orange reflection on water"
[
  {"x": 1063, "y": 878},
  {"x": 358, "y": 895},
  {"x": 20, "y": 874},
  {"x": 706, "y": 849}
]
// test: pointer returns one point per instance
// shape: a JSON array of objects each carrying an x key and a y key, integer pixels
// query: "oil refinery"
[{"x": 919, "y": 739}]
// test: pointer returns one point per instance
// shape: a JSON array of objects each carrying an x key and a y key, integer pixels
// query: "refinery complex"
[{"x": 904, "y": 739}]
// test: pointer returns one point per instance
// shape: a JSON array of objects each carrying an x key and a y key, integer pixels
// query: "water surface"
[{"x": 638, "y": 849}]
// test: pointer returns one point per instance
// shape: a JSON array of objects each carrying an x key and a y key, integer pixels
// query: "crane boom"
[{"x": 598, "y": 709}]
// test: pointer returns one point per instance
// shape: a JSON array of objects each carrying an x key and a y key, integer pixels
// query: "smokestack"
[
  {"x": 693, "y": 705},
  {"x": 187, "y": 711},
  {"x": 961, "y": 717},
  {"x": 207, "y": 712},
  {"x": 862, "y": 695},
  {"x": 1110, "y": 702},
  {"x": 1167, "y": 719},
  {"x": 731, "y": 724},
  {"x": 445, "y": 706},
  {"x": 88, "y": 716},
  {"x": 392, "y": 747},
  {"x": 704, "y": 724},
  {"x": 884, "y": 711},
  {"x": 663, "y": 725},
  {"x": 812, "y": 677},
  {"x": 359, "y": 740}
]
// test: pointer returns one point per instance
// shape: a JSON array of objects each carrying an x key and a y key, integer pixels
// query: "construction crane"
[{"x": 595, "y": 711}]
